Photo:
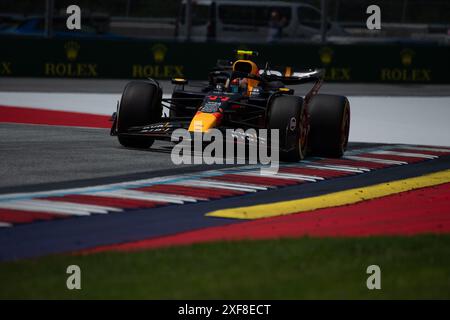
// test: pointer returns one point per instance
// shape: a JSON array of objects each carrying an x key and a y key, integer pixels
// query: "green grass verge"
[{"x": 411, "y": 267}]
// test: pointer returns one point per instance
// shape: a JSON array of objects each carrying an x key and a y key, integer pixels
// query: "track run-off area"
[{"x": 69, "y": 187}]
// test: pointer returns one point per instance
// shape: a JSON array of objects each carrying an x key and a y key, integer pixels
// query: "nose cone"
[{"x": 202, "y": 122}]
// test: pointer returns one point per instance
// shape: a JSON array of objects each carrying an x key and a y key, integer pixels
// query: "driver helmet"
[
  {"x": 234, "y": 86},
  {"x": 238, "y": 85}
]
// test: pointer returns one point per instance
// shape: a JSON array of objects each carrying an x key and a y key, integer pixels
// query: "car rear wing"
[{"x": 292, "y": 77}]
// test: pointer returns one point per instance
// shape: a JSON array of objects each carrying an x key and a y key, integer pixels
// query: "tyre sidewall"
[
  {"x": 329, "y": 125},
  {"x": 140, "y": 105},
  {"x": 286, "y": 114}
]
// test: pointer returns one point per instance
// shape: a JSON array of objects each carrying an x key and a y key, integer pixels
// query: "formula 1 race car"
[{"x": 239, "y": 95}]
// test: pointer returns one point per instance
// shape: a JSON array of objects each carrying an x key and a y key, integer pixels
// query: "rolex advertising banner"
[{"x": 379, "y": 63}]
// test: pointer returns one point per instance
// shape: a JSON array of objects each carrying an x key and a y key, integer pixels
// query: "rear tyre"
[
  {"x": 288, "y": 115},
  {"x": 329, "y": 125},
  {"x": 140, "y": 105}
]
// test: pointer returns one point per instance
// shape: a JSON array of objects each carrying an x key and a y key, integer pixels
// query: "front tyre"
[{"x": 140, "y": 105}]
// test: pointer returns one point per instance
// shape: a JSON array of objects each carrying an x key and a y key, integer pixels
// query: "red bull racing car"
[{"x": 239, "y": 94}]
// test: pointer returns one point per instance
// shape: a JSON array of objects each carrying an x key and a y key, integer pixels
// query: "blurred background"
[
  {"x": 331, "y": 33},
  {"x": 233, "y": 20}
]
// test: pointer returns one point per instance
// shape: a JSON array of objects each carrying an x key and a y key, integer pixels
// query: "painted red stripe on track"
[
  {"x": 424, "y": 210},
  {"x": 52, "y": 117},
  {"x": 316, "y": 172},
  {"x": 432, "y": 153},
  {"x": 256, "y": 180},
  {"x": 392, "y": 157},
  {"x": 22, "y": 216},
  {"x": 353, "y": 163},
  {"x": 217, "y": 192},
  {"x": 107, "y": 201},
  {"x": 188, "y": 191}
]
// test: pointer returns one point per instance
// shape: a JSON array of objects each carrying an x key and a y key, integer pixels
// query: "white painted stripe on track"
[
  {"x": 67, "y": 205},
  {"x": 240, "y": 172},
  {"x": 148, "y": 196},
  {"x": 5, "y": 224},
  {"x": 404, "y": 154},
  {"x": 343, "y": 166},
  {"x": 71, "y": 205},
  {"x": 94, "y": 189},
  {"x": 347, "y": 167},
  {"x": 283, "y": 175},
  {"x": 376, "y": 160},
  {"x": 242, "y": 185},
  {"x": 28, "y": 205},
  {"x": 335, "y": 168},
  {"x": 93, "y": 208},
  {"x": 221, "y": 185},
  {"x": 172, "y": 196},
  {"x": 421, "y": 148},
  {"x": 101, "y": 188},
  {"x": 292, "y": 175}
]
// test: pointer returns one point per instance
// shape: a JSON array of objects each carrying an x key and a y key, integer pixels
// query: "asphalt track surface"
[
  {"x": 40, "y": 154},
  {"x": 39, "y": 157}
]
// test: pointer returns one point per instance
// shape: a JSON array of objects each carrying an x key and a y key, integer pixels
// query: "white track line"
[
  {"x": 92, "y": 208},
  {"x": 68, "y": 205},
  {"x": 31, "y": 205},
  {"x": 94, "y": 189},
  {"x": 147, "y": 196},
  {"x": 5, "y": 224},
  {"x": 220, "y": 185},
  {"x": 173, "y": 196},
  {"x": 404, "y": 154},
  {"x": 376, "y": 160},
  {"x": 283, "y": 175},
  {"x": 422, "y": 148},
  {"x": 343, "y": 166},
  {"x": 335, "y": 168},
  {"x": 248, "y": 187}
]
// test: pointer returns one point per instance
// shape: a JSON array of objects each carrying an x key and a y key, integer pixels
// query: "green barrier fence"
[{"x": 378, "y": 63}]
